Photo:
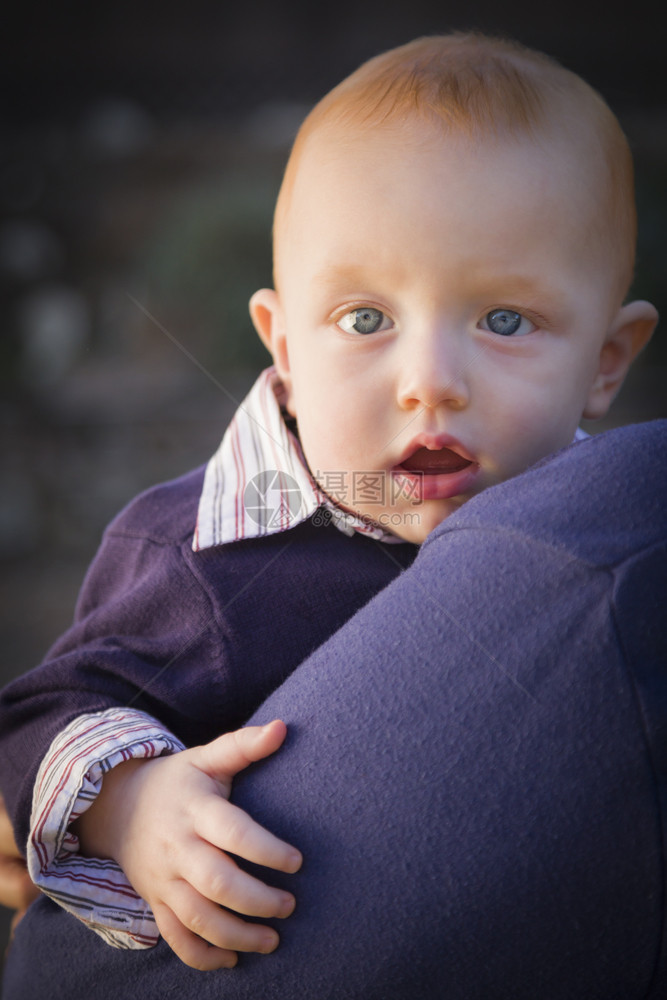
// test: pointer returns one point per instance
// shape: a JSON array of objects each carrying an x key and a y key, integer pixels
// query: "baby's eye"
[
  {"x": 507, "y": 323},
  {"x": 364, "y": 320}
]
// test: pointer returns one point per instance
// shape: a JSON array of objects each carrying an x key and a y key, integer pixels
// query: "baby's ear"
[
  {"x": 629, "y": 333},
  {"x": 269, "y": 319}
]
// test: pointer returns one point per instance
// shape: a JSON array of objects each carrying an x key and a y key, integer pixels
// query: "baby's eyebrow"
[
  {"x": 534, "y": 286},
  {"x": 341, "y": 275},
  {"x": 527, "y": 284}
]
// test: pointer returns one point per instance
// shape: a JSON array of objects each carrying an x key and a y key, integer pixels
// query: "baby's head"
[{"x": 454, "y": 240}]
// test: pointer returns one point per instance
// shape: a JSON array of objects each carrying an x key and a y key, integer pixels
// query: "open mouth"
[{"x": 431, "y": 463}]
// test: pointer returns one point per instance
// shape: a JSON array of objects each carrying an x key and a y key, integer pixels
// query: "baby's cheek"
[
  {"x": 322, "y": 447},
  {"x": 520, "y": 440},
  {"x": 538, "y": 445}
]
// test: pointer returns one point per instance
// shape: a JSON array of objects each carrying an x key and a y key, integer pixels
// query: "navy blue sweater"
[{"x": 197, "y": 639}]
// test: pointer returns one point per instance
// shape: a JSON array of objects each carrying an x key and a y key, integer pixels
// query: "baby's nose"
[{"x": 434, "y": 373}]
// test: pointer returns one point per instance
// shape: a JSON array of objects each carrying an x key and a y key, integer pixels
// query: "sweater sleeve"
[
  {"x": 146, "y": 637},
  {"x": 69, "y": 779}
]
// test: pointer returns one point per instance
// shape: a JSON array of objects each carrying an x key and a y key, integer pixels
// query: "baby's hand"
[{"x": 168, "y": 824}]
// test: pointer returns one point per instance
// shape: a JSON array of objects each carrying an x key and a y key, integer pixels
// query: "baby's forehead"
[
  {"x": 351, "y": 174},
  {"x": 485, "y": 92},
  {"x": 411, "y": 149}
]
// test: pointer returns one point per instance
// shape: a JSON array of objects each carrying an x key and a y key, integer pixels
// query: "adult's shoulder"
[{"x": 602, "y": 500}]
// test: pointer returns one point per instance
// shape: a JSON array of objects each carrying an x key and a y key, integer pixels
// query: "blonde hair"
[{"x": 478, "y": 86}]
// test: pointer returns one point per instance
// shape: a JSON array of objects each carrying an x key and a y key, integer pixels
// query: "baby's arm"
[
  {"x": 149, "y": 642},
  {"x": 167, "y": 823}
]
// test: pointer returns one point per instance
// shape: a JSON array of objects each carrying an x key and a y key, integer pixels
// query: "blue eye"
[
  {"x": 507, "y": 323},
  {"x": 364, "y": 320}
]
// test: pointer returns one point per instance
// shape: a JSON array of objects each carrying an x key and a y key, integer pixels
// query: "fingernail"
[
  {"x": 286, "y": 907},
  {"x": 295, "y": 862},
  {"x": 269, "y": 943}
]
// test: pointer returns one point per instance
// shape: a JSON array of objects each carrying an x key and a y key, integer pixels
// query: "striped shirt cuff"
[{"x": 68, "y": 781}]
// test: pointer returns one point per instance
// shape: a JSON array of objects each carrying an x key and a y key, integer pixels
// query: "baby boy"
[{"x": 453, "y": 244}]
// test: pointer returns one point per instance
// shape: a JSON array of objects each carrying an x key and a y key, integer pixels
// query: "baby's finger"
[
  {"x": 218, "y": 878},
  {"x": 191, "y": 949},
  {"x": 231, "y": 829},
  {"x": 219, "y": 927},
  {"x": 227, "y": 755}
]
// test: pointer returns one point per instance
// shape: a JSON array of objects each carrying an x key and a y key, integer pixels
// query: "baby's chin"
[{"x": 416, "y": 525}]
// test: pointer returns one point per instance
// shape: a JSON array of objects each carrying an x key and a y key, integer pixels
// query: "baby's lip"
[{"x": 435, "y": 455}]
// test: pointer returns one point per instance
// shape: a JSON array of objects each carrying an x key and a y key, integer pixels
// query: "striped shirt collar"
[{"x": 257, "y": 483}]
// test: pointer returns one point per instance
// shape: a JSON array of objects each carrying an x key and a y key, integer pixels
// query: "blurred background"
[{"x": 141, "y": 150}]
